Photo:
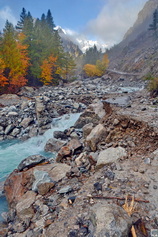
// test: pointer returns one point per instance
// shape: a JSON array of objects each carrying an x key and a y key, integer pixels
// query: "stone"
[
  {"x": 39, "y": 105},
  {"x": 13, "y": 114},
  {"x": 58, "y": 171},
  {"x": 87, "y": 129},
  {"x": 87, "y": 117},
  {"x": 53, "y": 145},
  {"x": 43, "y": 183},
  {"x": 31, "y": 161},
  {"x": 26, "y": 122},
  {"x": 16, "y": 184},
  {"x": 24, "y": 207},
  {"x": 110, "y": 220},
  {"x": 63, "y": 152},
  {"x": 98, "y": 108},
  {"x": 123, "y": 101},
  {"x": 110, "y": 155},
  {"x": 96, "y": 135},
  {"x": 1, "y": 130},
  {"x": 69, "y": 149},
  {"x": 64, "y": 190},
  {"x": 116, "y": 122},
  {"x": 15, "y": 132},
  {"x": 9, "y": 129},
  {"x": 60, "y": 134}
]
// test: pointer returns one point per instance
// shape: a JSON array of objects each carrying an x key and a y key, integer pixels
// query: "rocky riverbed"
[{"x": 109, "y": 154}]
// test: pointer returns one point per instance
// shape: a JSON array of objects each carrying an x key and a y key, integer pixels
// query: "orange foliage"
[
  {"x": 3, "y": 79},
  {"x": 48, "y": 68},
  {"x": 16, "y": 60}
]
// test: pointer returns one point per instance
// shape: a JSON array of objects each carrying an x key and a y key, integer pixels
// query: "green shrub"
[{"x": 152, "y": 83}]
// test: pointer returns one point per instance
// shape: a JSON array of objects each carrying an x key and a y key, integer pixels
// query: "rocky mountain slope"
[
  {"x": 68, "y": 44},
  {"x": 138, "y": 50}
]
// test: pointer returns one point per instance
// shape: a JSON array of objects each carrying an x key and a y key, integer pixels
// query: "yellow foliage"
[{"x": 98, "y": 69}]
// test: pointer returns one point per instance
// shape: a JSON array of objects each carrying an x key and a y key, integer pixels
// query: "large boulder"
[
  {"x": 53, "y": 145},
  {"x": 16, "y": 185},
  {"x": 96, "y": 135},
  {"x": 24, "y": 207},
  {"x": 59, "y": 171},
  {"x": 31, "y": 161},
  {"x": 69, "y": 149},
  {"x": 110, "y": 220},
  {"x": 26, "y": 122},
  {"x": 110, "y": 155},
  {"x": 60, "y": 135}
]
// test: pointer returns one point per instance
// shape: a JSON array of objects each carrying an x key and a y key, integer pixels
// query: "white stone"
[{"x": 110, "y": 155}]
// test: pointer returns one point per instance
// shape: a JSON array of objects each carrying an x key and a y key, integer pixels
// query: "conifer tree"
[
  {"x": 20, "y": 23},
  {"x": 154, "y": 25}
]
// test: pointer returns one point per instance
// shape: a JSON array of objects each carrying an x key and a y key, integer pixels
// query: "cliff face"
[
  {"x": 68, "y": 45},
  {"x": 142, "y": 22},
  {"x": 138, "y": 50}
]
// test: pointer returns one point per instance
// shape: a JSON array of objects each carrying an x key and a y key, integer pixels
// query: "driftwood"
[{"x": 119, "y": 198}]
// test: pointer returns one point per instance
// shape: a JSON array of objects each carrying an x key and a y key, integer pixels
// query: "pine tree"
[
  {"x": 20, "y": 23},
  {"x": 50, "y": 20},
  {"x": 154, "y": 25}
]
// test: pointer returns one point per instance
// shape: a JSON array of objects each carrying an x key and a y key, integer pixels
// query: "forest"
[{"x": 31, "y": 53}]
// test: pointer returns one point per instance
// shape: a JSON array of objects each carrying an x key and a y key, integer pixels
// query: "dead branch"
[{"x": 119, "y": 198}]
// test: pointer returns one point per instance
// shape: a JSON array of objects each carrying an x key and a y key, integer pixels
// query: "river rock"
[
  {"x": 123, "y": 101},
  {"x": 26, "y": 122},
  {"x": 15, "y": 132},
  {"x": 60, "y": 135},
  {"x": 87, "y": 117},
  {"x": 24, "y": 207},
  {"x": 12, "y": 113},
  {"x": 43, "y": 183},
  {"x": 53, "y": 145},
  {"x": 64, "y": 190},
  {"x": 58, "y": 171},
  {"x": 1, "y": 130},
  {"x": 87, "y": 129},
  {"x": 9, "y": 129},
  {"x": 110, "y": 220},
  {"x": 96, "y": 135},
  {"x": 98, "y": 108},
  {"x": 16, "y": 185},
  {"x": 110, "y": 155},
  {"x": 31, "y": 161},
  {"x": 69, "y": 149}
]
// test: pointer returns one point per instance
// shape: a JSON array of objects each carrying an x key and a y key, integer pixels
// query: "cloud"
[
  {"x": 83, "y": 42},
  {"x": 6, "y": 14},
  {"x": 116, "y": 17}
]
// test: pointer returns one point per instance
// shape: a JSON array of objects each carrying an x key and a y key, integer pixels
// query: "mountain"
[
  {"x": 74, "y": 41},
  {"x": 68, "y": 44},
  {"x": 137, "y": 52},
  {"x": 143, "y": 21}
]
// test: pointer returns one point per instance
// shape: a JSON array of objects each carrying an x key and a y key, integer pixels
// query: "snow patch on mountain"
[{"x": 81, "y": 39}]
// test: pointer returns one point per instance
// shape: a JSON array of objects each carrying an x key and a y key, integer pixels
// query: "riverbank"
[{"x": 111, "y": 151}]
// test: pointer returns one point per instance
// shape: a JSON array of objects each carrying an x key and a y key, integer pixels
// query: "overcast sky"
[{"x": 104, "y": 20}]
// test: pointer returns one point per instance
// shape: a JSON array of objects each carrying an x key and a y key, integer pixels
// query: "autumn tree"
[
  {"x": 14, "y": 56},
  {"x": 98, "y": 69},
  {"x": 48, "y": 70}
]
